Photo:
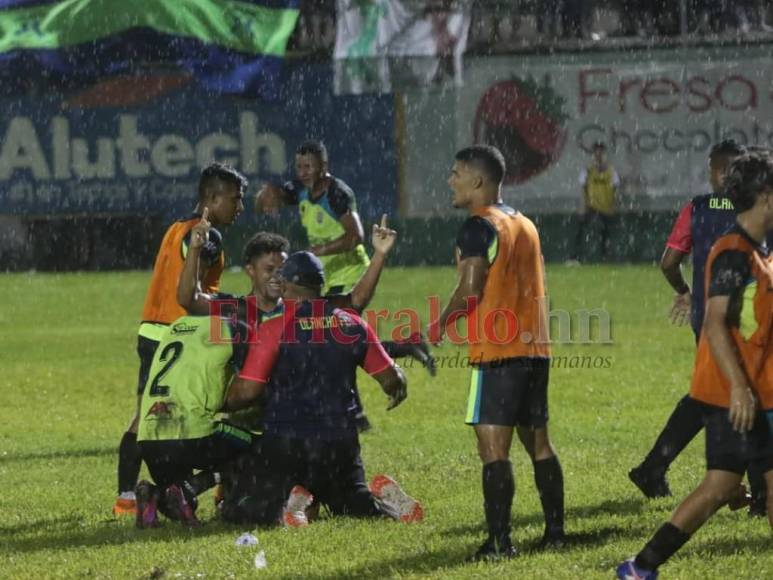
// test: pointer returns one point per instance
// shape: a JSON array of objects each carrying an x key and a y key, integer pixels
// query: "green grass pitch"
[{"x": 68, "y": 373}]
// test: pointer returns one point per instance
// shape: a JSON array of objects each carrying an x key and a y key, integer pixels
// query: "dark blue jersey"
[
  {"x": 711, "y": 216},
  {"x": 309, "y": 357}
]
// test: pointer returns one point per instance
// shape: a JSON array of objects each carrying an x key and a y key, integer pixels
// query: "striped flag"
[{"x": 228, "y": 46}]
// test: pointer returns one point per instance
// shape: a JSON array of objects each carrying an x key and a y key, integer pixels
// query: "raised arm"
[
  {"x": 189, "y": 294},
  {"x": 383, "y": 239}
]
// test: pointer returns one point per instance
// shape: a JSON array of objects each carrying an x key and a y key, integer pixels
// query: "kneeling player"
[
  {"x": 733, "y": 375},
  {"x": 304, "y": 366}
]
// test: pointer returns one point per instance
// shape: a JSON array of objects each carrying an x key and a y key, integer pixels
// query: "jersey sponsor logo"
[
  {"x": 160, "y": 410},
  {"x": 320, "y": 216},
  {"x": 184, "y": 328}
]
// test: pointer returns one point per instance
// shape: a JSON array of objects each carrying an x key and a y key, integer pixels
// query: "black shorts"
[
  {"x": 146, "y": 350},
  {"x": 172, "y": 461},
  {"x": 331, "y": 470},
  {"x": 511, "y": 392},
  {"x": 728, "y": 450}
]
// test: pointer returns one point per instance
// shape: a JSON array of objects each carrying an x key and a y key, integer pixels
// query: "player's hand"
[
  {"x": 316, "y": 250},
  {"x": 269, "y": 199},
  {"x": 200, "y": 232},
  {"x": 383, "y": 238},
  {"x": 397, "y": 397},
  {"x": 742, "y": 407},
  {"x": 680, "y": 309}
]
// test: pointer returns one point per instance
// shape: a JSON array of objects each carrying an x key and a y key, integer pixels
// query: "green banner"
[{"x": 241, "y": 26}]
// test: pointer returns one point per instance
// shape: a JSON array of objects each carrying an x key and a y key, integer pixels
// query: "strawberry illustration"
[{"x": 525, "y": 120}]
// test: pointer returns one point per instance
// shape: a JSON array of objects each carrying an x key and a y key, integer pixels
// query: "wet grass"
[{"x": 66, "y": 393}]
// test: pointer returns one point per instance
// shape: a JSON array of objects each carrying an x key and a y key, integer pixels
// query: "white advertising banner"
[{"x": 658, "y": 117}]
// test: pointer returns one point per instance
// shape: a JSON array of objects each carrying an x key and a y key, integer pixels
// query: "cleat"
[
  {"x": 493, "y": 550},
  {"x": 628, "y": 570},
  {"x": 362, "y": 423},
  {"x": 178, "y": 507},
  {"x": 552, "y": 541},
  {"x": 294, "y": 513},
  {"x": 124, "y": 507},
  {"x": 147, "y": 505},
  {"x": 651, "y": 486},
  {"x": 395, "y": 502}
]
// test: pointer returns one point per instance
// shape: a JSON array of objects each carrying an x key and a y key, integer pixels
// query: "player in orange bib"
[
  {"x": 501, "y": 271},
  {"x": 733, "y": 375},
  {"x": 221, "y": 191}
]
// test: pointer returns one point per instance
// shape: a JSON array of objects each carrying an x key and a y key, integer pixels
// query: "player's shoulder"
[{"x": 338, "y": 187}]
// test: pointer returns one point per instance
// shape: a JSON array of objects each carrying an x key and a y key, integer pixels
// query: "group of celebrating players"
[{"x": 256, "y": 395}]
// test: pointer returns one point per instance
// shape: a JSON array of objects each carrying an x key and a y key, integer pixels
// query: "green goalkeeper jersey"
[
  {"x": 321, "y": 220},
  {"x": 193, "y": 365}
]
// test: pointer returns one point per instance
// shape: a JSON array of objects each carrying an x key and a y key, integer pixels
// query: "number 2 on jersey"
[{"x": 169, "y": 355}]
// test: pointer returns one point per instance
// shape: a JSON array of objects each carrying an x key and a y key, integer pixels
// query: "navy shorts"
[
  {"x": 729, "y": 450},
  {"x": 512, "y": 392}
]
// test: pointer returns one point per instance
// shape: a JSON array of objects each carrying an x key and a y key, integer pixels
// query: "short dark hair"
[
  {"x": 223, "y": 173},
  {"x": 726, "y": 148},
  {"x": 311, "y": 147},
  {"x": 487, "y": 159},
  {"x": 747, "y": 176},
  {"x": 264, "y": 243}
]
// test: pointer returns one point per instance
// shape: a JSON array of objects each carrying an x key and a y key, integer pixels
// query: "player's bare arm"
[
  {"x": 382, "y": 239},
  {"x": 394, "y": 384},
  {"x": 742, "y": 400},
  {"x": 189, "y": 294},
  {"x": 470, "y": 283},
  {"x": 671, "y": 266},
  {"x": 243, "y": 393},
  {"x": 353, "y": 235}
]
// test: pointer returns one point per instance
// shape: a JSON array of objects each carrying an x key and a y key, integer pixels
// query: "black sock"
[
  {"x": 550, "y": 484},
  {"x": 398, "y": 349},
  {"x": 129, "y": 462},
  {"x": 198, "y": 484},
  {"x": 498, "y": 493},
  {"x": 759, "y": 490},
  {"x": 683, "y": 425},
  {"x": 664, "y": 544}
]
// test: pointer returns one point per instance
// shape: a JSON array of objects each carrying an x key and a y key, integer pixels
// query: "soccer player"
[
  {"x": 221, "y": 191},
  {"x": 599, "y": 182},
  {"x": 733, "y": 374},
  {"x": 701, "y": 221},
  {"x": 501, "y": 290},
  {"x": 328, "y": 212},
  {"x": 303, "y": 366}
]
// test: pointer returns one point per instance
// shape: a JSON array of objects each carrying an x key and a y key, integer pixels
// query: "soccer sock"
[
  {"x": 683, "y": 425},
  {"x": 198, "y": 484},
  {"x": 549, "y": 479},
  {"x": 664, "y": 544},
  {"x": 498, "y": 493},
  {"x": 757, "y": 484},
  {"x": 129, "y": 463}
]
